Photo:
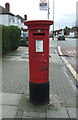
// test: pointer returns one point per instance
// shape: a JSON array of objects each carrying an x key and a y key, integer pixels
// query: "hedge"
[
  {"x": 10, "y": 38},
  {"x": 15, "y": 37}
]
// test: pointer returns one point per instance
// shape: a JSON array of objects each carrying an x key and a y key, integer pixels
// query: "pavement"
[{"x": 14, "y": 95}]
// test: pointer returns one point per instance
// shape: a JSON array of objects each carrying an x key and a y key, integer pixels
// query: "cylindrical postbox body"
[{"x": 38, "y": 60}]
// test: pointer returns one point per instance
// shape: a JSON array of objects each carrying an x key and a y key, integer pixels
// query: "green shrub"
[
  {"x": 10, "y": 38},
  {"x": 6, "y": 43},
  {"x": 15, "y": 37},
  {"x": 0, "y": 41}
]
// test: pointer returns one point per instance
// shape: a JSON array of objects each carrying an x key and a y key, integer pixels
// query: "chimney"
[
  {"x": 7, "y": 7},
  {"x": 25, "y": 17}
]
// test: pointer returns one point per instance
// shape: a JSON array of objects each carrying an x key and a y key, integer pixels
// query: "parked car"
[
  {"x": 50, "y": 35},
  {"x": 25, "y": 35},
  {"x": 21, "y": 36},
  {"x": 24, "y": 39},
  {"x": 61, "y": 37}
]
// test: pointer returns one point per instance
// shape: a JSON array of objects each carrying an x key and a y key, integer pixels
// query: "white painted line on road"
[
  {"x": 59, "y": 49},
  {"x": 68, "y": 52},
  {"x": 74, "y": 51},
  {"x": 71, "y": 52},
  {"x": 68, "y": 65}
]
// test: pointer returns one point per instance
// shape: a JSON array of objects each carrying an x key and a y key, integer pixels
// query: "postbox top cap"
[{"x": 29, "y": 22}]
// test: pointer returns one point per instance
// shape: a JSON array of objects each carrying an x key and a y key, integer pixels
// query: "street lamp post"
[
  {"x": 53, "y": 19},
  {"x": 53, "y": 16},
  {"x": 48, "y": 9}
]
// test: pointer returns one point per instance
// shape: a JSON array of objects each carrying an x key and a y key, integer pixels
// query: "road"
[{"x": 69, "y": 49}]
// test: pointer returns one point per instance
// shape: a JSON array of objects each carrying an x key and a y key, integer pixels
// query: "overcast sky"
[{"x": 64, "y": 11}]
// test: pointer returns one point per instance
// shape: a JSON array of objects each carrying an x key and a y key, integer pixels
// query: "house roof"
[
  {"x": 22, "y": 19},
  {"x": 4, "y": 11}
]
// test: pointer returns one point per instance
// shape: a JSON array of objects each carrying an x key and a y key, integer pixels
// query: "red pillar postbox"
[{"x": 38, "y": 60}]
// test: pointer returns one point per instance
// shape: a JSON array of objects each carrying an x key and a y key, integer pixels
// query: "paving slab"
[
  {"x": 60, "y": 85},
  {"x": 19, "y": 114},
  {"x": 60, "y": 113},
  {"x": 26, "y": 106},
  {"x": 0, "y": 112},
  {"x": 21, "y": 54},
  {"x": 14, "y": 76},
  {"x": 0, "y": 98},
  {"x": 55, "y": 59},
  {"x": 10, "y": 99},
  {"x": 9, "y": 111},
  {"x": 40, "y": 111},
  {"x": 33, "y": 115},
  {"x": 72, "y": 112}
]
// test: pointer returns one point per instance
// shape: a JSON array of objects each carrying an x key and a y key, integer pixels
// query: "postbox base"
[{"x": 39, "y": 93}]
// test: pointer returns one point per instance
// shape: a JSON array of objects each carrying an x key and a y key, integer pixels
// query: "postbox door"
[{"x": 39, "y": 73}]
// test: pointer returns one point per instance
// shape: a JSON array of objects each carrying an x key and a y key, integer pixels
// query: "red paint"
[{"x": 38, "y": 61}]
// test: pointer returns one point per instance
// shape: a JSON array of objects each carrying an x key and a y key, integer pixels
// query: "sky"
[{"x": 64, "y": 11}]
